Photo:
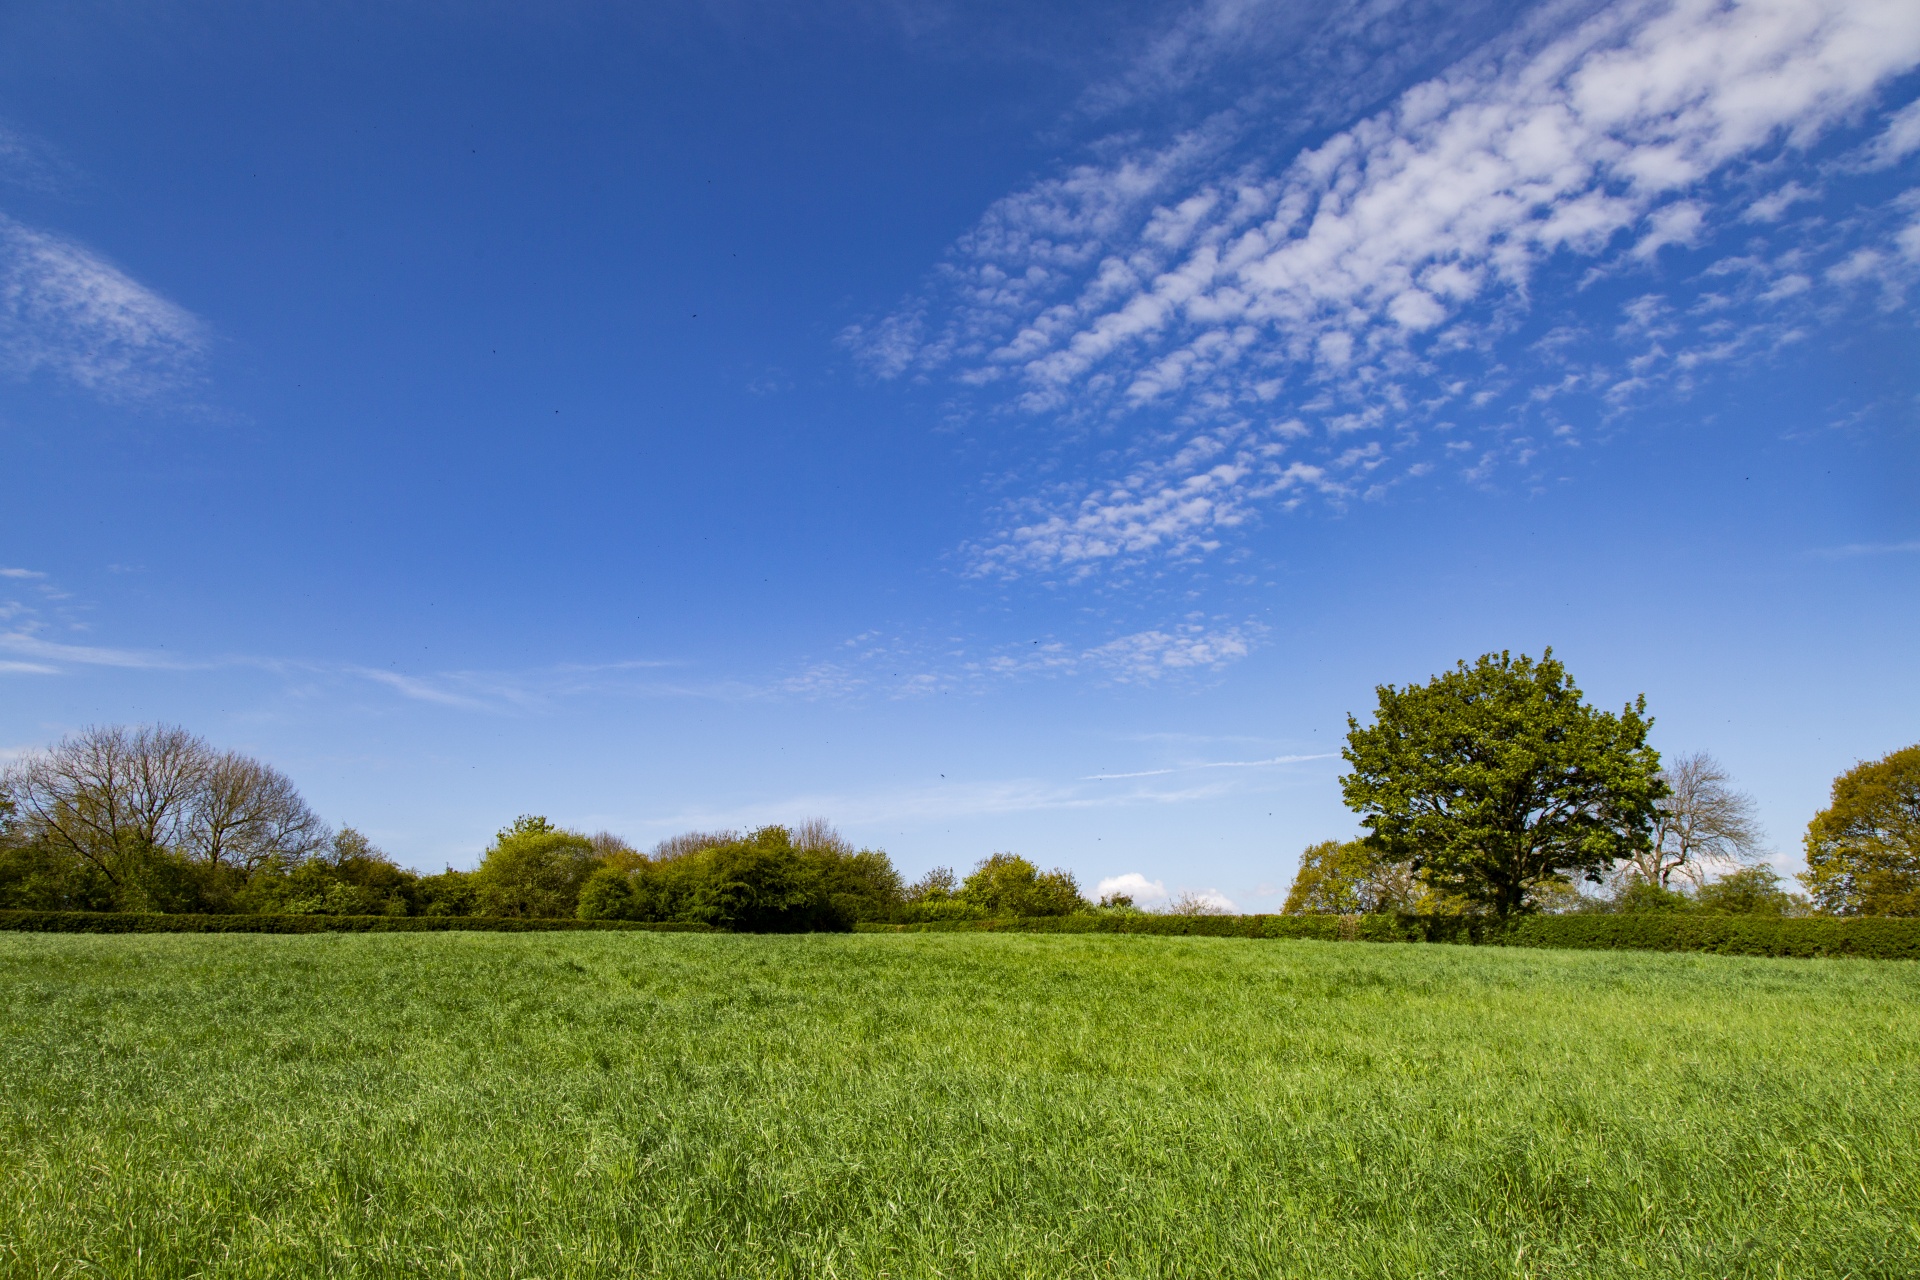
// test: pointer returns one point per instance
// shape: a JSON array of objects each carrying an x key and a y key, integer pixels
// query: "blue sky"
[{"x": 985, "y": 426}]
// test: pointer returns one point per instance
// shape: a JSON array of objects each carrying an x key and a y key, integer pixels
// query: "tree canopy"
[
  {"x": 1350, "y": 877},
  {"x": 1863, "y": 849},
  {"x": 1496, "y": 780}
]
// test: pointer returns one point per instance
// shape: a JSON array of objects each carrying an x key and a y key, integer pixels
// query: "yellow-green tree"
[
  {"x": 1347, "y": 877},
  {"x": 534, "y": 868},
  {"x": 1863, "y": 849}
]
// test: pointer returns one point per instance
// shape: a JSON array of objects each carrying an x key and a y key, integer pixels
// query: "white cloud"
[
  {"x": 1183, "y": 279},
  {"x": 68, "y": 312},
  {"x": 20, "y": 573},
  {"x": 1132, "y": 885},
  {"x": 1900, "y": 139}
]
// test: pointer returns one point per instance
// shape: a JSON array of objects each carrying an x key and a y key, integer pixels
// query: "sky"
[{"x": 986, "y": 426}]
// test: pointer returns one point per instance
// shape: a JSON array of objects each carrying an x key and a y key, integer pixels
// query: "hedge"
[
  {"x": 1877, "y": 938},
  {"x": 141, "y": 922}
]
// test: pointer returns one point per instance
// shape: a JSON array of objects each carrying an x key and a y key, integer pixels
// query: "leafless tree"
[
  {"x": 113, "y": 796},
  {"x": 1189, "y": 902},
  {"x": 247, "y": 813},
  {"x": 821, "y": 835},
  {"x": 1704, "y": 823},
  {"x": 691, "y": 842}
]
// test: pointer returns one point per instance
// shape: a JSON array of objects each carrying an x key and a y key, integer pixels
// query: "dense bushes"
[
  {"x": 765, "y": 882},
  {"x": 1003, "y": 885}
]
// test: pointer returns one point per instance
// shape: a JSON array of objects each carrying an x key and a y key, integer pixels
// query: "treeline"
[
  {"x": 1495, "y": 789},
  {"x": 154, "y": 819}
]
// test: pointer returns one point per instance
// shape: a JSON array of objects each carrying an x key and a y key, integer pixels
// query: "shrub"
[
  {"x": 533, "y": 868},
  {"x": 1007, "y": 884}
]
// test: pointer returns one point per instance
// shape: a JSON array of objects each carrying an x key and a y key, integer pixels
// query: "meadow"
[{"x": 588, "y": 1104}]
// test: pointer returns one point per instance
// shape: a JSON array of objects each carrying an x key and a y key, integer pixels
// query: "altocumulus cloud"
[
  {"x": 1244, "y": 316},
  {"x": 66, "y": 311}
]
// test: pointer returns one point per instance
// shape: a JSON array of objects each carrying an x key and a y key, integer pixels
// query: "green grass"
[{"x": 948, "y": 1104}]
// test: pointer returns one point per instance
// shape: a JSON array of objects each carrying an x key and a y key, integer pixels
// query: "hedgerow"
[
  {"x": 153, "y": 922},
  {"x": 1876, "y": 938}
]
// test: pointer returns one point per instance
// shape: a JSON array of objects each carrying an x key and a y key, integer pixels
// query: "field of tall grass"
[{"x": 589, "y": 1104}]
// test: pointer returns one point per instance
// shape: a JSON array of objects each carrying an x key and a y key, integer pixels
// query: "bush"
[
  {"x": 764, "y": 882},
  {"x": 1007, "y": 884},
  {"x": 534, "y": 868}
]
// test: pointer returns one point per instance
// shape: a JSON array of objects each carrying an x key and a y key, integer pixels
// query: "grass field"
[{"x": 948, "y": 1104}]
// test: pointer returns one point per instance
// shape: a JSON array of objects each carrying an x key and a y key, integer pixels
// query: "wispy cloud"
[
  {"x": 1854, "y": 549},
  {"x": 1230, "y": 317},
  {"x": 1211, "y": 764},
  {"x": 51, "y": 651},
  {"x": 66, "y": 311}
]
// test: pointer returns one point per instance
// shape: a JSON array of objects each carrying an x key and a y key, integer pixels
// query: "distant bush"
[
  {"x": 534, "y": 868},
  {"x": 1007, "y": 884},
  {"x": 773, "y": 880}
]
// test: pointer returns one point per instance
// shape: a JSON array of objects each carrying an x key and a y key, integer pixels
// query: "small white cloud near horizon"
[{"x": 1132, "y": 885}]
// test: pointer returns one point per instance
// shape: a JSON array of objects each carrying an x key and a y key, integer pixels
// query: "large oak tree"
[{"x": 1497, "y": 780}]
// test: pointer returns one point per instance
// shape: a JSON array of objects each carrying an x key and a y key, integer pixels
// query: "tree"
[
  {"x": 1750, "y": 891},
  {"x": 1497, "y": 780},
  {"x": 1863, "y": 849},
  {"x": 1702, "y": 822},
  {"x": 158, "y": 817},
  {"x": 246, "y": 813},
  {"x": 533, "y": 868},
  {"x": 1350, "y": 878},
  {"x": 1006, "y": 884}
]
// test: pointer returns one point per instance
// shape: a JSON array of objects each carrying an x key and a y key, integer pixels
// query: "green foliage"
[
  {"x": 763, "y": 882},
  {"x": 347, "y": 878},
  {"x": 311, "y": 922},
  {"x": 598, "y": 1105},
  {"x": 1347, "y": 878},
  {"x": 1644, "y": 895},
  {"x": 533, "y": 868},
  {"x": 1497, "y": 779},
  {"x": 1879, "y": 939},
  {"x": 1863, "y": 849},
  {"x": 1750, "y": 891},
  {"x": 1006, "y": 884}
]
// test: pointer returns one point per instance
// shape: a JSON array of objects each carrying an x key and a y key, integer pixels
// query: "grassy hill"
[{"x": 947, "y": 1104}]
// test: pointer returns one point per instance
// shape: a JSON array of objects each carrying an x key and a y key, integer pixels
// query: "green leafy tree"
[
  {"x": 1750, "y": 891},
  {"x": 1496, "y": 780},
  {"x": 1350, "y": 877},
  {"x": 1863, "y": 849},
  {"x": 533, "y": 868},
  {"x": 1008, "y": 885}
]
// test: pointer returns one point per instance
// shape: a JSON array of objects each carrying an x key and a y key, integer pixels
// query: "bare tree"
[
  {"x": 108, "y": 796},
  {"x": 247, "y": 813},
  {"x": 1702, "y": 824},
  {"x": 821, "y": 835},
  {"x": 691, "y": 842},
  {"x": 113, "y": 797}
]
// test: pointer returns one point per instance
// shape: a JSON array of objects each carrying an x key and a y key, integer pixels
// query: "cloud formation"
[
  {"x": 1220, "y": 315},
  {"x": 66, "y": 311}
]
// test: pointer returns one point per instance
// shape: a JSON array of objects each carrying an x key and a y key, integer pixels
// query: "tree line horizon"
[{"x": 1492, "y": 789}]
